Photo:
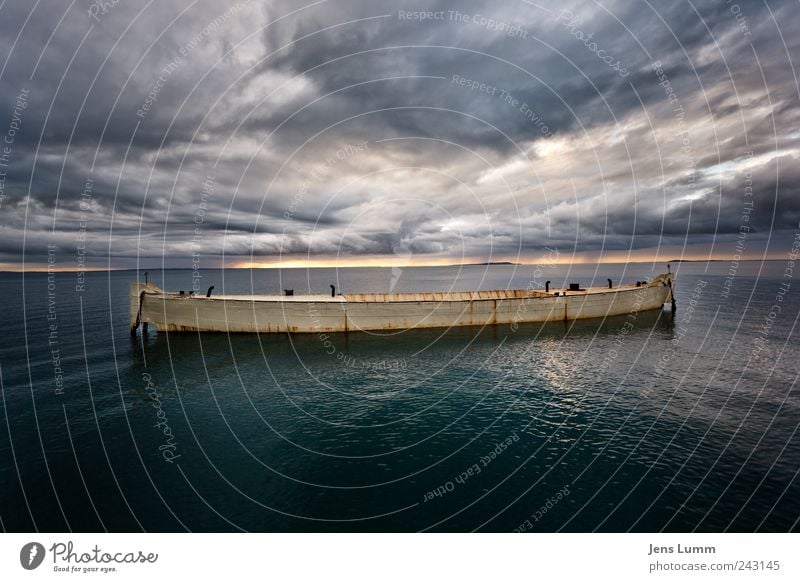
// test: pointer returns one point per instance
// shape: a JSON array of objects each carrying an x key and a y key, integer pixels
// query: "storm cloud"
[{"x": 256, "y": 132}]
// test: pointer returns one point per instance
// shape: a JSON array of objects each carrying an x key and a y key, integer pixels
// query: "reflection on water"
[{"x": 335, "y": 361}]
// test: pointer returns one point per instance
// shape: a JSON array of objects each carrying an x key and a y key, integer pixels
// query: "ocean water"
[{"x": 684, "y": 422}]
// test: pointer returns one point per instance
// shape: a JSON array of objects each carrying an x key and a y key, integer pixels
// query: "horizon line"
[{"x": 238, "y": 267}]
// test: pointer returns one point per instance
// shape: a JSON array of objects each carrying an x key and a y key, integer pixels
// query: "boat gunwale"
[{"x": 413, "y": 297}]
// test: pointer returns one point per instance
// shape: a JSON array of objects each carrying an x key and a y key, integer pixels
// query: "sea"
[{"x": 659, "y": 421}]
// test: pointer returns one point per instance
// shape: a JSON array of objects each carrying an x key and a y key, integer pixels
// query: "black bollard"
[
  {"x": 547, "y": 287},
  {"x": 333, "y": 291},
  {"x": 609, "y": 284},
  {"x": 210, "y": 289}
]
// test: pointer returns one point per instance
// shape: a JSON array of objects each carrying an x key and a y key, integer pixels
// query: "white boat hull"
[{"x": 377, "y": 311}]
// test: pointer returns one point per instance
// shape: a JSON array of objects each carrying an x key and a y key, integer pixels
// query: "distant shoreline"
[{"x": 490, "y": 263}]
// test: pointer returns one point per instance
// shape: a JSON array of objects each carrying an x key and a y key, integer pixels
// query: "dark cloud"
[{"x": 349, "y": 128}]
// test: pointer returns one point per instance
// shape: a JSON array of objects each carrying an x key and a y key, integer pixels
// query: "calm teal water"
[{"x": 648, "y": 424}]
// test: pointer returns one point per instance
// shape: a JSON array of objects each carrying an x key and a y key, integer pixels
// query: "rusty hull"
[{"x": 385, "y": 311}]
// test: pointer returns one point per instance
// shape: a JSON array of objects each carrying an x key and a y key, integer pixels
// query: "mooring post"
[
  {"x": 333, "y": 291},
  {"x": 671, "y": 289},
  {"x": 138, "y": 319},
  {"x": 672, "y": 296}
]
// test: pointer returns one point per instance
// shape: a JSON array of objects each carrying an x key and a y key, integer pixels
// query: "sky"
[{"x": 262, "y": 133}]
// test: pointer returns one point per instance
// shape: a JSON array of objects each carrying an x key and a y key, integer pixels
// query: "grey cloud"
[{"x": 148, "y": 169}]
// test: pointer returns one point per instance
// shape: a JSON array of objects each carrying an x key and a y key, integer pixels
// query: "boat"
[{"x": 349, "y": 312}]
